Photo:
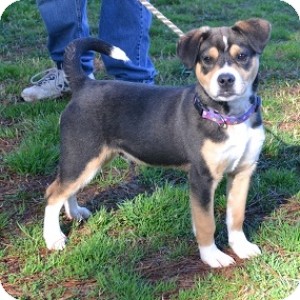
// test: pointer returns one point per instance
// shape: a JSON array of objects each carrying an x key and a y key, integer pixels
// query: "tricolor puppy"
[{"x": 209, "y": 129}]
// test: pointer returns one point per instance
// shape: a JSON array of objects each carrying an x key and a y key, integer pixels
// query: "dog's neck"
[
  {"x": 230, "y": 108},
  {"x": 226, "y": 113}
]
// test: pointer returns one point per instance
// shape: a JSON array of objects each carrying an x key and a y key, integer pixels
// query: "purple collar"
[{"x": 223, "y": 120}]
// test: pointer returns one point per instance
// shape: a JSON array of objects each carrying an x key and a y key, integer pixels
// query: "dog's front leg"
[
  {"x": 202, "y": 189},
  {"x": 237, "y": 191}
]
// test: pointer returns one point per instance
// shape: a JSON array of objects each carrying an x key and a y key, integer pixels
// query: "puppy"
[{"x": 209, "y": 129}]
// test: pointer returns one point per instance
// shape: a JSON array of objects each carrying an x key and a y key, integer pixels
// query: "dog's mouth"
[
  {"x": 227, "y": 93},
  {"x": 231, "y": 94},
  {"x": 227, "y": 96}
]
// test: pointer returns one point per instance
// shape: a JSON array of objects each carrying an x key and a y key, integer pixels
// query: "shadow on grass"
[
  {"x": 185, "y": 270},
  {"x": 265, "y": 197},
  {"x": 285, "y": 166}
]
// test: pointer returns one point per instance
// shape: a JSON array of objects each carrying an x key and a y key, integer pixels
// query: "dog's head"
[{"x": 225, "y": 59}]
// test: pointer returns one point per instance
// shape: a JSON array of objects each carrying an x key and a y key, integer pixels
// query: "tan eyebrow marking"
[
  {"x": 235, "y": 50},
  {"x": 213, "y": 52}
]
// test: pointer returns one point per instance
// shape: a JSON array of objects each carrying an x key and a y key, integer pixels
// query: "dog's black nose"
[{"x": 226, "y": 80}]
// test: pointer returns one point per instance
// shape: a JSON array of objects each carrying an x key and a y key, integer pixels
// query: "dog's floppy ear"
[
  {"x": 256, "y": 31},
  {"x": 189, "y": 44}
]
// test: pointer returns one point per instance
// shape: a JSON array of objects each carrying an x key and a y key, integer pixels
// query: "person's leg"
[
  {"x": 126, "y": 24},
  {"x": 65, "y": 20}
]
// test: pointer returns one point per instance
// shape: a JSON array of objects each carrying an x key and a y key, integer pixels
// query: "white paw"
[
  {"x": 241, "y": 246},
  {"x": 214, "y": 257},
  {"x": 54, "y": 238},
  {"x": 245, "y": 249},
  {"x": 55, "y": 241},
  {"x": 79, "y": 214},
  {"x": 74, "y": 211}
]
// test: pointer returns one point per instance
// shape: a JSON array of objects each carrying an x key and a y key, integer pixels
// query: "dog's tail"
[{"x": 73, "y": 52}]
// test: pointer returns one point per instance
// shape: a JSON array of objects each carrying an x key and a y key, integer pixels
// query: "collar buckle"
[{"x": 223, "y": 123}]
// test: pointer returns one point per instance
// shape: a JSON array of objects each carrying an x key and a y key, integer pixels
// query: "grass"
[{"x": 138, "y": 243}]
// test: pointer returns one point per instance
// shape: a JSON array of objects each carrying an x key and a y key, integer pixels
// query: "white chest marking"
[{"x": 242, "y": 147}]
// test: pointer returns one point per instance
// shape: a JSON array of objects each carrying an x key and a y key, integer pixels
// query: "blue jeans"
[{"x": 123, "y": 23}]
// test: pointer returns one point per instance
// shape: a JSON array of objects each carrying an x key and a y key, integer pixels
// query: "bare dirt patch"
[{"x": 184, "y": 271}]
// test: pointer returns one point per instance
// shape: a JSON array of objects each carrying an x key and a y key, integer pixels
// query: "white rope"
[{"x": 161, "y": 17}]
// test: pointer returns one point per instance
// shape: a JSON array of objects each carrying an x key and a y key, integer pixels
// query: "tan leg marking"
[
  {"x": 57, "y": 194},
  {"x": 56, "y": 191},
  {"x": 237, "y": 191},
  {"x": 238, "y": 185},
  {"x": 204, "y": 229},
  {"x": 203, "y": 222}
]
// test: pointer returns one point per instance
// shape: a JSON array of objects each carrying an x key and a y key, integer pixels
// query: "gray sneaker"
[{"x": 49, "y": 84}]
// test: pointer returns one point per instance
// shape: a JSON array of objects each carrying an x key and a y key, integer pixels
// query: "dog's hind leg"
[
  {"x": 55, "y": 195},
  {"x": 74, "y": 211},
  {"x": 62, "y": 192}
]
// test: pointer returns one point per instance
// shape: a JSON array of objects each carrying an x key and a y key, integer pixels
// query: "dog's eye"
[
  {"x": 207, "y": 60},
  {"x": 242, "y": 57}
]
